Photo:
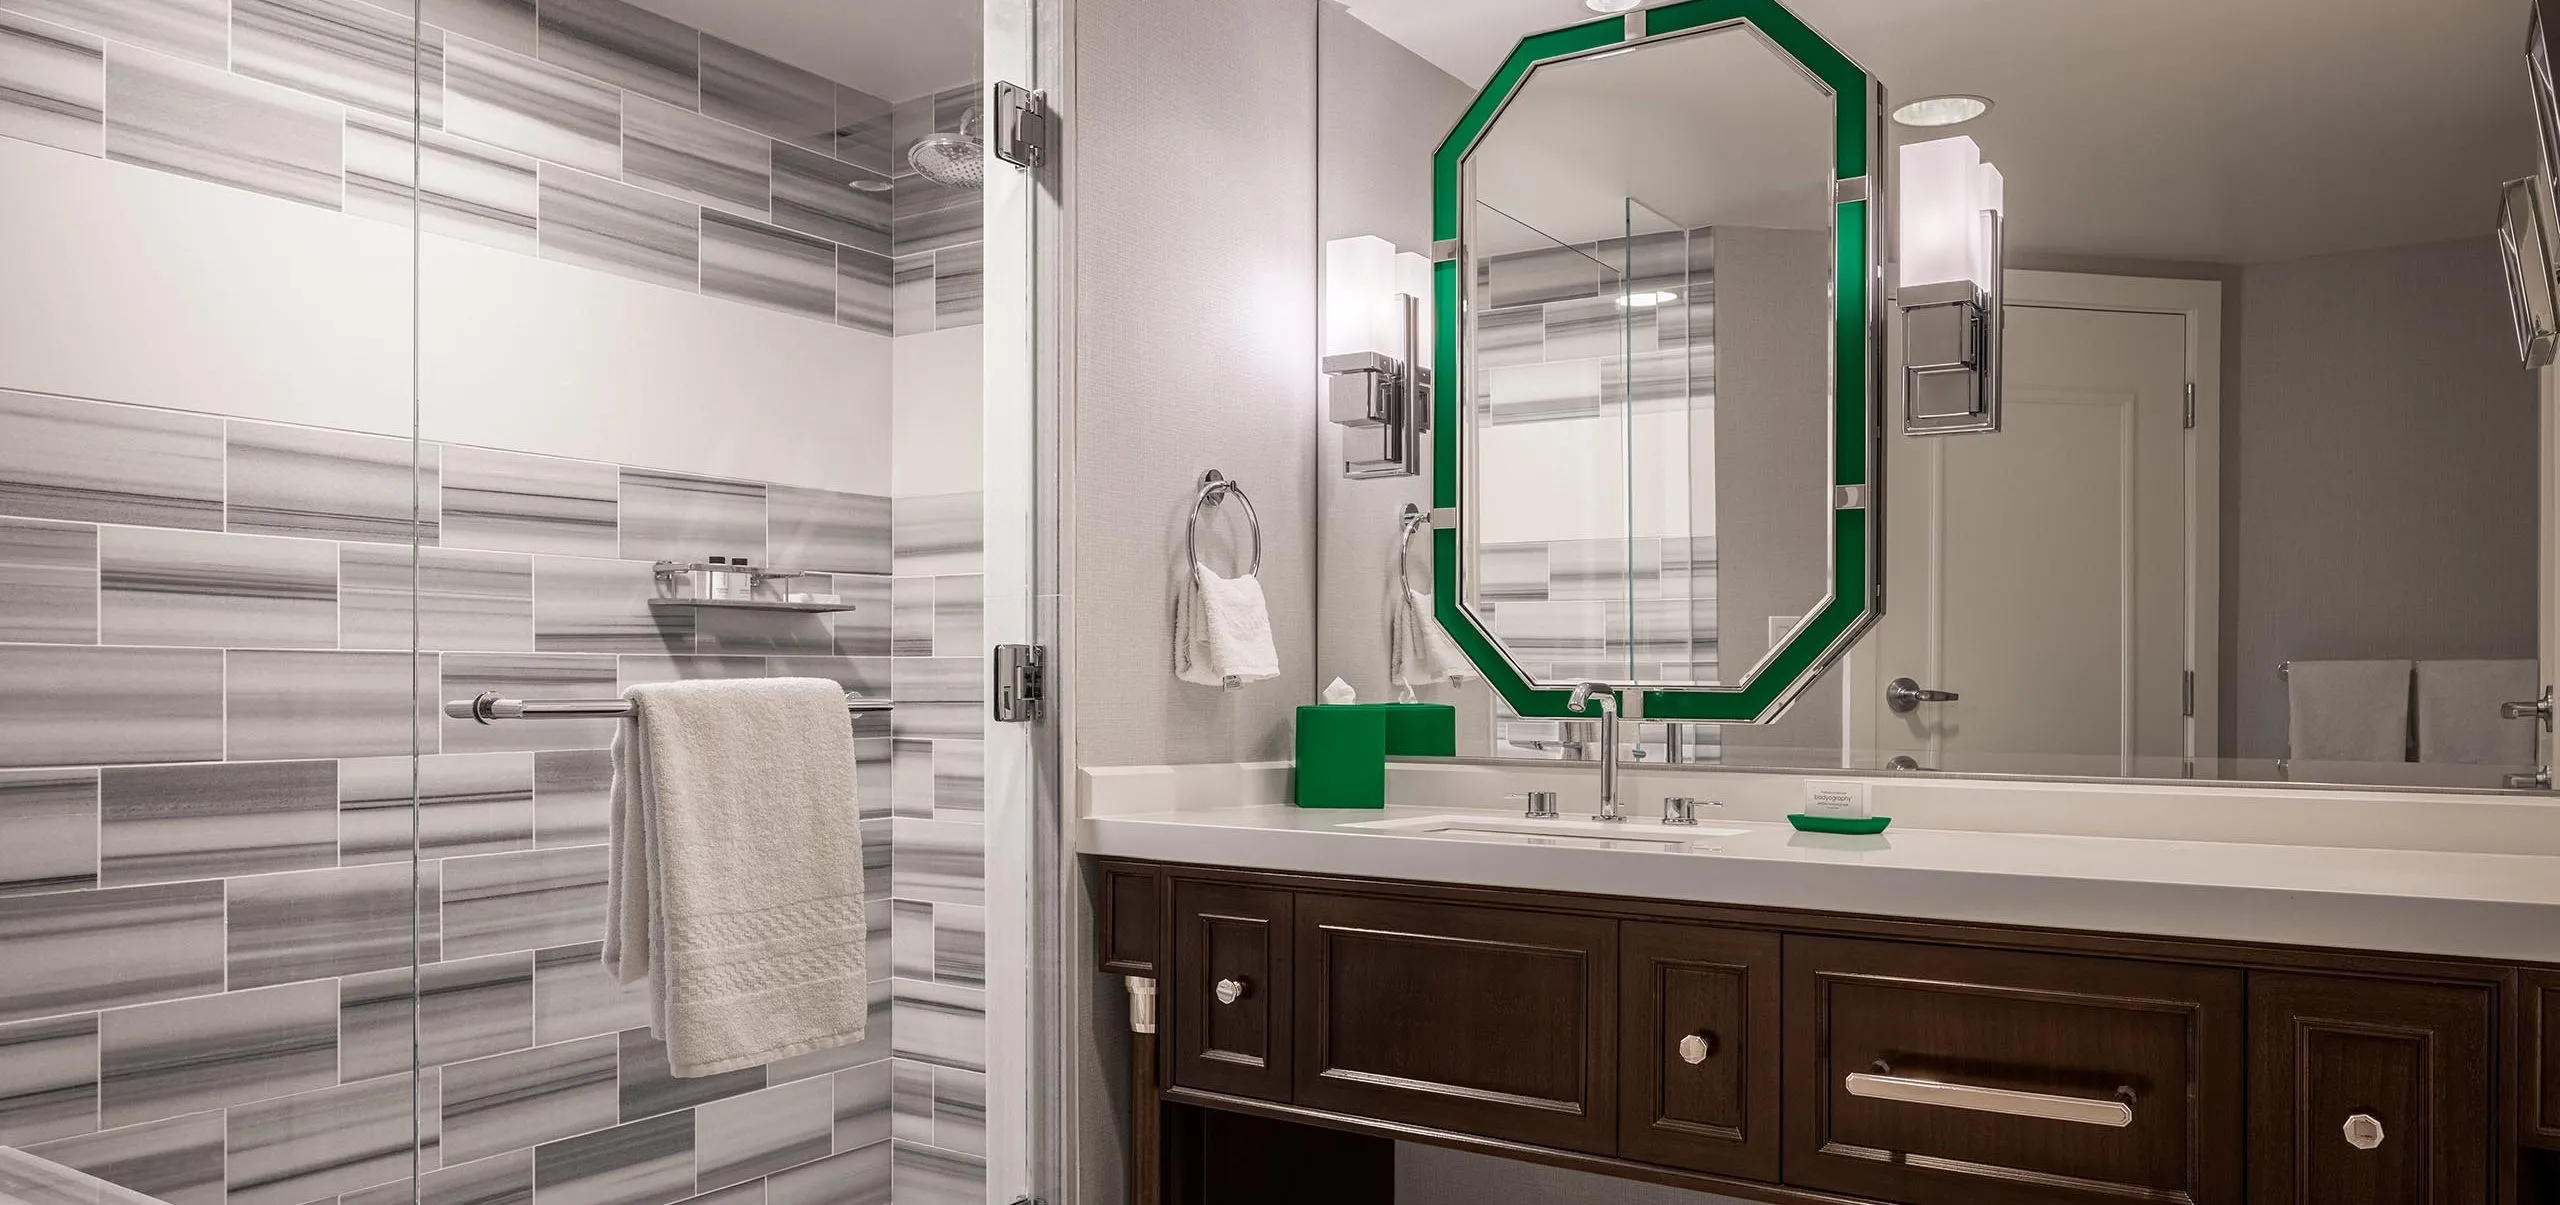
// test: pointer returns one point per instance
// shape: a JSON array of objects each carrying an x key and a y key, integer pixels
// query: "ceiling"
[
  {"x": 894, "y": 51},
  {"x": 2207, "y": 130}
]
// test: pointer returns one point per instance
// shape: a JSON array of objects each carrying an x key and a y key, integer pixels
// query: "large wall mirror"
[{"x": 2268, "y": 501}]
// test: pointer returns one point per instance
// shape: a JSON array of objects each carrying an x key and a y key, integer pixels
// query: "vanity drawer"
[
  {"x": 1698, "y": 1075},
  {"x": 1942, "y": 1075},
  {"x": 1231, "y": 989},
  {"x": 1485, "y": 1021},
  {"x": 2369, "y": 1091}
]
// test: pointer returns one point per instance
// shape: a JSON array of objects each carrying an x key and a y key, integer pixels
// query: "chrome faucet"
[{"x": 1584, "y": 698}]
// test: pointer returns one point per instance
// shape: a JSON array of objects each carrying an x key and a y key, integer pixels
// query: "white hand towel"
[
  {"x": 736, "y": 873},
  {"x": 1222, "y": 631},
  {"x": 2349, "y": 711},
  {"x": 1421, "y": 653},
  {"x": 2458, "y": 719}
]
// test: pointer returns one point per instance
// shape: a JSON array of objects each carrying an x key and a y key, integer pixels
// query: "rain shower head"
[{"x": 956, "y": 160}]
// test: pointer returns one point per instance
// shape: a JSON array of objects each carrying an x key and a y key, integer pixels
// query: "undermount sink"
[{"x": 1581, "y": 832}]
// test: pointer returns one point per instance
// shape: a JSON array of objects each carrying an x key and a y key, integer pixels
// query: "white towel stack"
[
  {"x": 736, "y": 880},
  {"x": 1420, "y": 652},
  {"x": 1222, "y": 631},
  {"x": 2348, "y": 711}
]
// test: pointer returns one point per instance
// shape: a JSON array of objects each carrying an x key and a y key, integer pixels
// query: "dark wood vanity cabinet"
[{"x": 1805, "y": 1057}]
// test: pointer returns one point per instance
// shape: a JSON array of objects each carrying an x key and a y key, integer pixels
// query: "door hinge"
[
  {"x": 1025, "y": 128},
  {"x": 2187, "y": 691},
  {"x": 1021, "y": 692},
  {"x": 2191, "y": 405}
]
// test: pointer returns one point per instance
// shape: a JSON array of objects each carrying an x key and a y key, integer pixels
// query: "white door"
[{"x": 2047, "y": 574}]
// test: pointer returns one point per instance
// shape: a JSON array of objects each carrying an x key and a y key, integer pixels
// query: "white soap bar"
[{"x": 1839, "y": 800}]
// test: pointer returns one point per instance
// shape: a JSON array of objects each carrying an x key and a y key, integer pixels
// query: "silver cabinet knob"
[
  {"x": 1695, "y": 1048},
  {"x": 2364, "y": 1131},
  {"x": 1230, "y": 990}
]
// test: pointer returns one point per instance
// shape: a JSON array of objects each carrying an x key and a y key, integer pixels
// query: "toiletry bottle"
[
  {"x": 718, "y": 577},
  {"x": 742, "y": 579}
]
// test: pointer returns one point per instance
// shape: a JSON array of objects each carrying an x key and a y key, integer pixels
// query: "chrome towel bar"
[{"x": 489, "y": 707}]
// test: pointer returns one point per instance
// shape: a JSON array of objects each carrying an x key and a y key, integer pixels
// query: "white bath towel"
[
  {"x": 2349, "y": 711},
  {"x": 1419, "y": 650},
  {"x": 2458, "y": 719},
  {"x": 736, "y": 874},
  {"x": 1222, "y": 631}
]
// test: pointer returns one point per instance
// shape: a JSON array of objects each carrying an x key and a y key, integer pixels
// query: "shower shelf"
[{"x": 747, "y": 604}]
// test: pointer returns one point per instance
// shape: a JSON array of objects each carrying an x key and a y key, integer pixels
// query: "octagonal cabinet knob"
[
  {"x": 1230, "y": 990},
  {"x": 2364, "y": 1131},
  {"x": 1695, "y": 1048}
]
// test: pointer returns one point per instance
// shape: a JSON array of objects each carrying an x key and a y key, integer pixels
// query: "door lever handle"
[
  {"x": 2531, "y": 709},
  {"x": 1903, "y": 696}
]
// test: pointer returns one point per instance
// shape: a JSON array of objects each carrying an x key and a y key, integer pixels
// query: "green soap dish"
[{"x": 1852, "y": 825}]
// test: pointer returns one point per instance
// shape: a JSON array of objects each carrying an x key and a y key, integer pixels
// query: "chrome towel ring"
[{"x": 1217, "y": 487}]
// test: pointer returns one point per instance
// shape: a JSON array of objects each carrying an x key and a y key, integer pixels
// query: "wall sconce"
[
  {"x": 1377, "y": 348},
  {"x": 1950, "y": 288}
]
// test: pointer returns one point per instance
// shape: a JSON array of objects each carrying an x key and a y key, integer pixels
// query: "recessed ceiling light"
[
  {"x": 1942, "y": 110},
  {"x": 1612, "y": 6},
  {"x": 867, "y": 184},
  {"x": 1646, "y": 301}
]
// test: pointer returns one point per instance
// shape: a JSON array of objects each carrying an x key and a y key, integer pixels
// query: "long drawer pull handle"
[{"x": 2115, "y": 1113}]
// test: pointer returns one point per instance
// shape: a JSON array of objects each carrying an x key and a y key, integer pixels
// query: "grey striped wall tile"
[
  {"x": 749, "y": 1193},
  {"x": 506, "y": 24},
  {"x": 572, "y": 797},
  {"x": 466, "y": 803},
  {"x": 498, "y": 1180},
  {"x": 959, "y": 945},
  {"x": 52, "y": 85},
  {"x": 864, "y": 631},
  {"x": 862, "y": 130},
  {"x": 48, "y": 582},
  {"x": 644, "y": 1163},
  {"x": 940, "y": 861},
  {"x": 1554, "y": 273},
  {"x": 592, "y": 222},
  {"x": 911, "y": 293},
  {"x": 827, "y": 530},
  {"x": 523, "y": 901},
  {"x": 480, "y": 601},
  {"x": 227, "y": 129},
  {"x": 70, "y": 706},
  {"x": 459, "y": 1010},
  {"x": 303, "y": 481},
  {"x": 911, "y": 617},
  {"x": 649, "y": 1088},
  {"x": 873, "y": 1047},
  {"x": 96, "y": 463},
  {"x": 925, "y": 215},
  {"x": 81, "y": 950},
  {"x": 856, "y": 1177},
  {"x": 316, "y": 924},
  {"x": 864, "y": 292},
  {"x": 939, "y": 1023},
  {"x": 814, "y": 194},
  {"x": 910, "y": 939},
  {"x": 48, "y": 1079},
  {"x": 912, "y": 777},
  {"x": 582, "y": 605},
  {"x": 862, "y": 1105},
  {"x": 760, "y": 265},
  {"x": 474, "y": 191},
  {"x": 528, "y": 676},
  {"x": 178, "y": 1161},
  {"x": 767, "y": 95},
  {"x": 185, "y": 1056},
  {"x": 1512, "y": 337},
  {"x": 512, "y": 502},
  {"x": 353, "y": 53},
  {"x": 959, "y": 286},
  {"x": 937, "y": 535},
  {"x": 532, "y": 108},
  {"x": 937, "y": 720},
  {"x": 868, "y": 676},
  {"x": 512, "y": 1101},
  {"x": 684, "y": 154},
  {"x": 959, "y": 615},
  {"x": 926, "y": 1175},
  {"x": 317, "y": 1145},
  {"x": 287, "y": 704},
  {"x": 748, "y": 633},
  {"x": 575, "y": 997},
  {"x": 48, "y": 832},
  {"x": 637, "y": 669},
  {"x": 960, "y": 1111},
  {"x": 674, "y": 517},
  {"x": 910, "y": 1101},
  {"x": 623, "y": 45},
  {"x": 937, "y": 680},
  {"x": 164, "y": 824},
  {"x": 755, "y": 1135},
  {"x": 191, "y": 29},
  {"x": 216, "y": 590}
]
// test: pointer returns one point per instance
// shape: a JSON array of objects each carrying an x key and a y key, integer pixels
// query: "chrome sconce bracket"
[
  {"x": 1951, "y": 338},
  {"x": 1382, "y": 403}
]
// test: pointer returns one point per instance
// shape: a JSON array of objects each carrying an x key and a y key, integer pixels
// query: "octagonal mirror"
[{"x": 1656, "y": 374}]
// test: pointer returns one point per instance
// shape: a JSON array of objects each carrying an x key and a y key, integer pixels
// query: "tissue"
[{"x": 1340, "y": 693}]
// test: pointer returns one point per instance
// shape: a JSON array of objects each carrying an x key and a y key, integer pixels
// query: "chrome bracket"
[
  {"x": 1025, "y": 127},
  {"x": 1382, "y": 403},
  {"x": 1951, "y": 348},
  {"x": 1021, "y": 693}
]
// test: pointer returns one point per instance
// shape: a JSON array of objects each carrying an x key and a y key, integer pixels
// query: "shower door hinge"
[
  {"x": 2188, "y": 693},
  {"x": 1025, "y": 127},
  {"x": 2191, "y": 405},
  {"x": 1021, "y": 691}
]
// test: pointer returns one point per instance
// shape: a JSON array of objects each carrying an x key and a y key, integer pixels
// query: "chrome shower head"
[{"x": 955, "y": 160}]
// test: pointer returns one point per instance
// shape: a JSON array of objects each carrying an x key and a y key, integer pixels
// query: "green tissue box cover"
[{"x": 1343, "y": 750}]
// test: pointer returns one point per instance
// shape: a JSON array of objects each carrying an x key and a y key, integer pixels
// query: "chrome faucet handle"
[
  {"x": 1583, "y": 695},
  {"x": 1679, "y": 809},
  {"x": 1542, "y": 804}
]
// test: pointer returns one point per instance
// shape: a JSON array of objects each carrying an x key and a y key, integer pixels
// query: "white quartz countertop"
[{"x": 2446, "y": 902}]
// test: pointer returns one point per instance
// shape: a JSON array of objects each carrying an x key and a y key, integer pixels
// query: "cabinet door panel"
[
  {"x": 2368, "y": 1092},
  {"x": 1698, "y": 1075},
  {"x": 1236, "y": 1040}
]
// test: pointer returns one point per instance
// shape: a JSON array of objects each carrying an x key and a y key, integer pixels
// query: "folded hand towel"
[
  {"x": 736, "y": 872},
  {"x": 1222, "y": 631},
  {"x": 2350, "y": 711},
  {"x": 2458, "y": 717},
  {"x": 1420, "y": 652}
]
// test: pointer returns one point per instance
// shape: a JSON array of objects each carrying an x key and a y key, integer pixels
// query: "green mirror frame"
[{"x": 1856, "y": 596}]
